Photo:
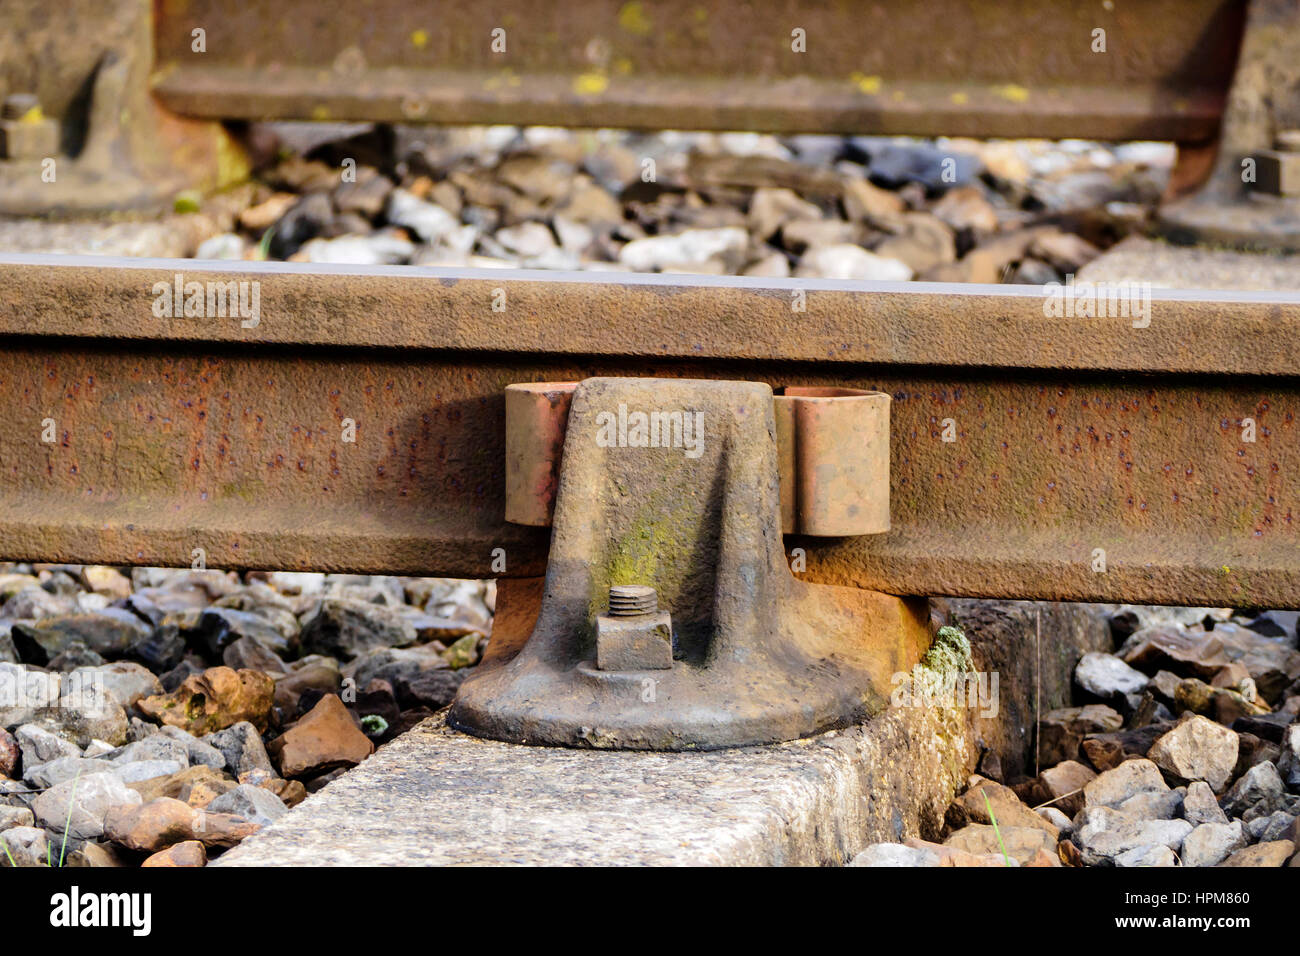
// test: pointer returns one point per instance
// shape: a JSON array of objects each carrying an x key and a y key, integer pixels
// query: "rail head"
[{"x": 1076, "y": 327}]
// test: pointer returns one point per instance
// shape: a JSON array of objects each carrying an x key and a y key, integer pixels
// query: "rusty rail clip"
[{"x": 832, "y": 456}]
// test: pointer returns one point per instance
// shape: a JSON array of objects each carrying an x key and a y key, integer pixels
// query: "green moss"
[
  {"x": 463, "y": 653},
  {"x": 656, "y": 550},
  {"x": 661, "y": 547},
  {"x": 188, "y": 201},
  {"x": 232, "y": 162},
  {"x": 949, "y": 654}
]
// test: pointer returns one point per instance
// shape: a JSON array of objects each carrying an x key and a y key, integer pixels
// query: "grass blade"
[
  {"x": 68, "y": 823},
  {"x": 996, "y": 831}
]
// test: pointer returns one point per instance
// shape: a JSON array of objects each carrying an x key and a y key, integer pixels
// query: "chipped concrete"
[
  {"x": 437, "y": 797},
  {"x": 1168, "y": 266},
  {"x": 168, "y": 236}
]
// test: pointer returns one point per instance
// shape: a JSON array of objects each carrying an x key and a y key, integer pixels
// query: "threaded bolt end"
[
  {"x": 631, "y": 600},
  {"x": 18, "y": 105}
]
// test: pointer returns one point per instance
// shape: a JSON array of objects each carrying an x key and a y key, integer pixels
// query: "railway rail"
[
  {"x": 1011, "y": 69},
  {"x": 1069, "y": 434}
]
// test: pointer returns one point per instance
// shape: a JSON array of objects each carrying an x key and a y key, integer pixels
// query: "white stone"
[
  {"x": 27, "y": 846},
  {"x": 1154, "y": 805},
  {"x": 253, "y": 803},
  {"x": 39, "y": 745},
  {"x": 528, "y": 239},
  {"x": 227, "y": 245},
  {"x": 1212, "y": 843},
  {"x": 895, "y": 854},
  {"x": 1113, "y": 787},
  {"x": 427, "y": 220},
  {"x": 1128, "y": 834},
  {"x": 147, "y": 770},
  {"x": 847, "y": 261},
  {"x": 691, "y": 247},
  {"x": 89, "y": 799},
  {"x": 372, "y": 250},
  {"x": 1155, "y": 854},
  {"x": 1105, "y": 675},
  {"x": 1197, "y": 749},
  {"x": 24, "y": 693},
  {"x": 1201, "y": 806}
]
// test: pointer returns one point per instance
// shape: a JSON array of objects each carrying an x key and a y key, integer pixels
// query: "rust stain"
[
  {"x": 727, "y": 66},
  {"x": 173, "y": 434}
]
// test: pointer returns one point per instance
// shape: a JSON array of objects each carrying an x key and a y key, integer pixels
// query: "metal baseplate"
[
  {"x": 1252, "y": 198},
  {"x": 80, "y": 131},
  {"x": 670, "y": 618}
]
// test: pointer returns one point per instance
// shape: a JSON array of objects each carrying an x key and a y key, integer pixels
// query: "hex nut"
[
  {"x": 640, "y": 643},
  {"x": 30, "y": 137}
]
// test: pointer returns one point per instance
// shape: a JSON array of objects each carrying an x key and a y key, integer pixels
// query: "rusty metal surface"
[
  {"x": 1072, "y": 434},
  {"x": 88, "y": 62},
  {"x": 918, "y": 67},
  {"x": 1263, "y": 102},
  {"x": 536, "y": 414},
  {"x": 833, "y": 453},
  {"x": 832, "y": 449},
  {"x": 709, "y": 641}
]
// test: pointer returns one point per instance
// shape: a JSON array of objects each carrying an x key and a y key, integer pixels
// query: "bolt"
[
  {"x": 632, "y": 600},
  {"x": 635, "y": 635},
  {"x": 18, "y": 105},
  {"x": 25, "y": 133}
]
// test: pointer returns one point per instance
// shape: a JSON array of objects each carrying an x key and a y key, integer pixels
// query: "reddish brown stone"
[
  {"x": 9, "y": 753},
  {"x": 290, "y": 792},
  {"x": 1272, "y": 853},
  {"x": 1069, "y": 853},
  {"x": 214, "y": 700},
  {"x": 188, "y": 853},
  {"x": 1060, "y": 732},
  {"x": 1006, "y": 807},
  {"x": 1022, "y": 844},
  {"x": 325, "y": 739},
  {"x": 161, "y": 823},
  {"x": 1173, "y": 648},
  {"x": 1104, "y": 753},
  {"x": 152, "y": 826},
  {"x": 1062, "y": 785},
  {"x": 198, "y": 786},
  {"x": 952, "y": 856}
]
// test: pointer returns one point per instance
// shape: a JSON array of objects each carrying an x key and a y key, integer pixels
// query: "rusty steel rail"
[
  {"x": 1010, "y": 68},
  {"x": 1071, "y": 434},
  {"x": 135, "y": 92}
]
